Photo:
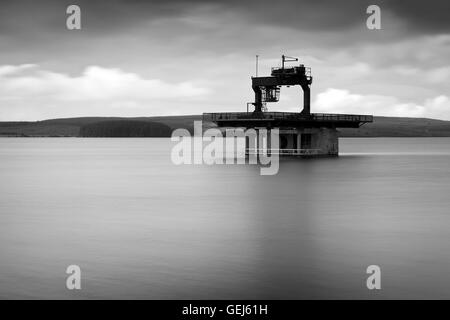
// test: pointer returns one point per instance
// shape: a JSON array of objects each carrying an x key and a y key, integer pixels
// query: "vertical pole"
[
  {"x": 257, "y": 56},
  {"x": 257, "y": 144},
  {"x": 247, "y": 146}
]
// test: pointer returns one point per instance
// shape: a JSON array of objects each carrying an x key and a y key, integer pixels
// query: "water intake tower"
[{"x": 300, "y": 133}]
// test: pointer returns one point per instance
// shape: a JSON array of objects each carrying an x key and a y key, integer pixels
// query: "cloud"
[
  {"x": 10, "y": 70},
  {"x": 25, "y": 87},
  {"x": 105, "y": 17},
  {"x": 438, "y": 75},
  {"x": 423, "y": 16},
  {"x": 175, "y": 52},
  {"x": 343, "y": 101}
]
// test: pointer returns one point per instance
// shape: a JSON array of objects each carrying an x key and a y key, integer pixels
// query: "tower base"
[{"x": 301, "y": 142}]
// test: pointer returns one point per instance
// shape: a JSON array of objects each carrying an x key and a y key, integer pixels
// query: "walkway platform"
[{"x": 287, "y": 119}]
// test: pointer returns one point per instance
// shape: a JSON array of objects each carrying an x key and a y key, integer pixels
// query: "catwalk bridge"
[{"x": 276, "y": 119}]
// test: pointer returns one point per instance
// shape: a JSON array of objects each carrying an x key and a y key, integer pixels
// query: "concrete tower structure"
[{"x": 301, "y": 134}]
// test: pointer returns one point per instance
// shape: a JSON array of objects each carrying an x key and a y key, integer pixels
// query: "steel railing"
[
  {"x": 293, "y": 152},
  {"x": 224, "y": 116}
]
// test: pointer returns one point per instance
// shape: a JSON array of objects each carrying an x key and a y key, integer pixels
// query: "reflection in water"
[{"x": 140, "y": 227}]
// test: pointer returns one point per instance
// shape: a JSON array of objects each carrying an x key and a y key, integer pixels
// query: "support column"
[
  {"x": 257, "y": 144},
  {"x": 306, "y": 99}
]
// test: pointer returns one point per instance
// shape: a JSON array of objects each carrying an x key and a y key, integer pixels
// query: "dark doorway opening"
[{"x": 306, "y": 141}]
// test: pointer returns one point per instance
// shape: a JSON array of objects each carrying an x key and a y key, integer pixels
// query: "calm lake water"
[{"x": 141, "y": 227}]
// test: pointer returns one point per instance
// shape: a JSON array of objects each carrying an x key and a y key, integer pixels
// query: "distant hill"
[
  {"x": 151, "y": 126},
  {"x": 72, "y": 127},
  {"x": 125, "y": 128},
  {"x": 400, "y": 127}
]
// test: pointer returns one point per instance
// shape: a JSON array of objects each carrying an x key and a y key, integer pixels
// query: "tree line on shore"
[{"x": 125, "y": 128}]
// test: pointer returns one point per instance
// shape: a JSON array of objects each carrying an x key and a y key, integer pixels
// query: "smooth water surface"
[{"x": 141, "y": 227}]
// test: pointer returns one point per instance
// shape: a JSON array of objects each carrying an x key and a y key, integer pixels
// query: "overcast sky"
[{"x": 164, "y": 57}]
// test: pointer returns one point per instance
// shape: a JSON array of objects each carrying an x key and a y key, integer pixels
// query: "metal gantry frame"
[{"x": 267, "y": 89}]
